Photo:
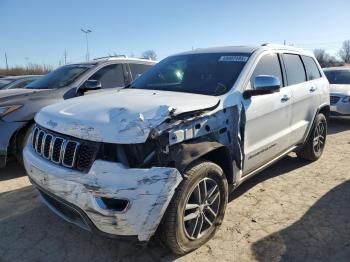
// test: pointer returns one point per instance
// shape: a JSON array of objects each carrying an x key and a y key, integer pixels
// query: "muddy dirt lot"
[{"x": 293, "y": 211}]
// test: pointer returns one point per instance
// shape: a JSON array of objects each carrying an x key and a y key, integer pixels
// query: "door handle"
[
  {"x": 312, "y": 89},
  {"x": 285, "y": 98}
]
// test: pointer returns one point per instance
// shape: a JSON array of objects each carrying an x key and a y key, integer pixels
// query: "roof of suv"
[{"x": 243, "y": 49}]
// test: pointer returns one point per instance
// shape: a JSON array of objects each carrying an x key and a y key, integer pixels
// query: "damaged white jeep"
[{"x": 163, "y": 154}]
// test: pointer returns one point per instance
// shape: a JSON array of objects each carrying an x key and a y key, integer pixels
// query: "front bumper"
[
  {"x": 340, "y": 109},
  {"x": 7, "y": 129},
  {"x": 148, "y": 191}
]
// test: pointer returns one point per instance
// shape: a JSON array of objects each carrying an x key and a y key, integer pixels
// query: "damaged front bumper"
[{"x": 147, "y": 193}]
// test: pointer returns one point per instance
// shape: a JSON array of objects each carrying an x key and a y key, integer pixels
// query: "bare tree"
[
  {"x": 149, "y": 54},
  {"x": 321, "y": 56},
  {"x": 325, "y": 59},
  {"x": 344, "y": 51}
]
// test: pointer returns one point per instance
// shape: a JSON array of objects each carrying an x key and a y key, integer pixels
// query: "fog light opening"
[{"x": 115, "y": 204}]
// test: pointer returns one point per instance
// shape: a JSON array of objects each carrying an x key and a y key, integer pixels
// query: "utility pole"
[
  {"x": 86, "y": 32},
  {"x": 7, "y": 65},
  {"x": 284, "y": 42},
  {"x": 65, "y": 56}
]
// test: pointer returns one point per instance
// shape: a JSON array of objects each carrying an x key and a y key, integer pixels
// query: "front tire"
[
  {"x": 197, "y": 208},
  {"x": 314, "y": 146},
  {"x": 23, "y": 137}
]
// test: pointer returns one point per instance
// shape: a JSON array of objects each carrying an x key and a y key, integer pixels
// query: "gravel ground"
[{"x": 293, "y": 211}]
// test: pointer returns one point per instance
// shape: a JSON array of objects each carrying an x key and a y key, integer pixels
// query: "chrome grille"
[
  {"x": 334, "y": 99},
  {"x": 57, "y": 149}
]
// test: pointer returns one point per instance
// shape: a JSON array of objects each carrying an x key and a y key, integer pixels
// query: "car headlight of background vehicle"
[
  {"x": 4, "y": 110},
  {"x": 346, "y": 99}
]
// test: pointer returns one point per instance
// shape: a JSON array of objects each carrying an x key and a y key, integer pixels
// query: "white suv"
[{"x": 162, "y": 154}]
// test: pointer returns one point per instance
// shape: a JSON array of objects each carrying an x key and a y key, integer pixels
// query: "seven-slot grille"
[
  {"x": 334, "y": 99},
  {"x": 55, "y": 148},
  {"x": 62, "y": 150}
]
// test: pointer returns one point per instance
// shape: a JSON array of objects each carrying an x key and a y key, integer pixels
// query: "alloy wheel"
[
  {"x": 202, "y": 208},
  {"x": 319, "y": 137}
]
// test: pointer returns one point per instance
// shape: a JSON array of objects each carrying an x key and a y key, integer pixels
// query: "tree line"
[
  {"x": 326, "y": 60},
  {"x": 37, "y": 69},
  {"x": 30, "y": 69}
]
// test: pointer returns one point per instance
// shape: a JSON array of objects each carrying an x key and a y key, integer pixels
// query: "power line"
[{"x": 322, "y": 43}]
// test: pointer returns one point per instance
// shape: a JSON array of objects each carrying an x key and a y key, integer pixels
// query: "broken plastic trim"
[{"x": 195, "y": 112}]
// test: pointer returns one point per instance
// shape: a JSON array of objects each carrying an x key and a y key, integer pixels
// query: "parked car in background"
[
  {"x": 12, "y": 82},
  {"x": 339, "y": 79},
  {"x": 19, "y": 106},
  {"x": 163, "y": 153}
]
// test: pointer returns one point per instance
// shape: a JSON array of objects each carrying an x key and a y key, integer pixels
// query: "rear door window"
[
  {"x": 268, "y": 65},
  {"x": 312, "y": 71},
  {"x": 294, "y": 69},
  {"x": 138, "y": 69},
  {"x": 110, "y": 76}
]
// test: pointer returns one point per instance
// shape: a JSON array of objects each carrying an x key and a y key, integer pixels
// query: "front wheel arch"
[
  {"x": 188, "y": 153},
  {"x": 17, "y": 140}
]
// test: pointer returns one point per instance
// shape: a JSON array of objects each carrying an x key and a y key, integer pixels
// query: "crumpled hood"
[
  {"x": 123, "y": 117},
  {"x": 340, "y": 89}
]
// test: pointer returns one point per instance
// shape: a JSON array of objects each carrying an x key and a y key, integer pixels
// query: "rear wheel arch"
[
  {"x": 325, "y": 110},
  {"x": 317, "y": 134}
]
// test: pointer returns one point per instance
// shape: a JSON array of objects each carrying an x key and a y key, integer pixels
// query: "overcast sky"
[{"x": 39, "y": 31}]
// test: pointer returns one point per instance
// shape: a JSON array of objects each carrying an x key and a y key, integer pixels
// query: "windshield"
[
  {"x": 338, "y": 76},
  {"x": 208, "y": 74},
  {"x": 5, "y": 82},
  {"x": 60, "y": 77}
]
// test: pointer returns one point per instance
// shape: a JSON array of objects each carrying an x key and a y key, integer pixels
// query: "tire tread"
[{"x": 167, "y": 229}]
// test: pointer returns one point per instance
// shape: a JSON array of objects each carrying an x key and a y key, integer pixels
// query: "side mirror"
[
  {"x": 263, "y": 85},
  {"x": 89, "y": 85}
]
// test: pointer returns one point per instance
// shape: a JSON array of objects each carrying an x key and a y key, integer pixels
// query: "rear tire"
[
  {"x": 197, "y": 208},
  {"x": 313, "y": 148}
]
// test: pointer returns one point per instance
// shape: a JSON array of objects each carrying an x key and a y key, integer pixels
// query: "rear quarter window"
[
  {"x": 110, "y": 76},
  {"x": 311, "y": 68},
  {"x": 138, "y": 69},
  {"x": 294, "y": 69}
]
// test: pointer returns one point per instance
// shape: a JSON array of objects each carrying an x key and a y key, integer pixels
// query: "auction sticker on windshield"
[{"x": 233, "y": 58}]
